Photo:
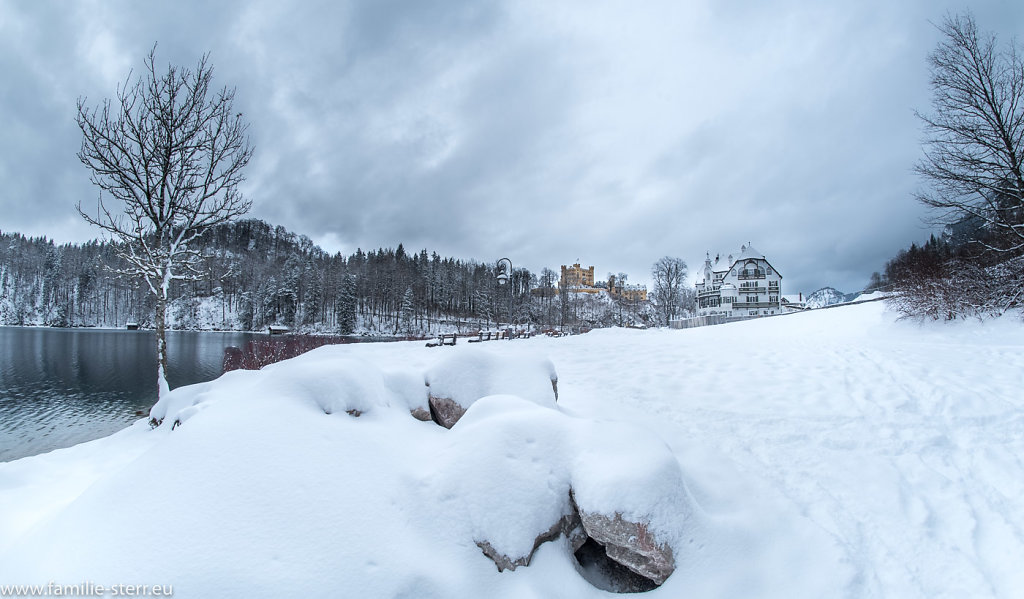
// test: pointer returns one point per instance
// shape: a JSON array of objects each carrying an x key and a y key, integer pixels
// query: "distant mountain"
[{"x": 826, "y": 296}]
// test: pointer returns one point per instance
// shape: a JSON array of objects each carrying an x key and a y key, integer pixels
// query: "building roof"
[
  {"x": 722, "y": 263},
  {"x": 747, "y": 252}
]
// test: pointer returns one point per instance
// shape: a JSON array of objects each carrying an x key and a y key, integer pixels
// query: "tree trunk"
[{"x": 161, "y": 346}]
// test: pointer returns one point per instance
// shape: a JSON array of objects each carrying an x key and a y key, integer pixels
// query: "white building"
[{"x": 743, "y": 285}]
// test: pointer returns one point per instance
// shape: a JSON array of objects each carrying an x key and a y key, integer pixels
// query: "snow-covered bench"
[{"x": 443, "y": 340}]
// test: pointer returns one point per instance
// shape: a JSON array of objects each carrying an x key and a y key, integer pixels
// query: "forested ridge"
[{"x": 256, "y": 274}]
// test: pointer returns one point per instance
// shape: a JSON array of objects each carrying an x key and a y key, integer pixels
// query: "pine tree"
[
  {"x": 346, "y": 308},
  {"x": 408, "y": 310}
]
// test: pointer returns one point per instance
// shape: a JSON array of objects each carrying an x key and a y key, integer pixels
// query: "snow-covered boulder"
[
  {"x": 515, "y": 472},
  {"x": 630, "y": 544},
  {"x": 568, "y": 525},
  {"x": 407, "y": 389},
  {"x": 505, "y": 471},
  {"x": 631, "y": 497},
  {"x": 522, "y": 475},
  {"x": 461, "y": 379},
  {"x": 332, "y": 384}
]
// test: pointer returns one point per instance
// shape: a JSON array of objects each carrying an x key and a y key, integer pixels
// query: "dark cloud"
[{"x": 613, "y": 133}]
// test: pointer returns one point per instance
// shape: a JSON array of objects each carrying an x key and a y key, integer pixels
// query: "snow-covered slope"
[{"x": 835, "y": 453}]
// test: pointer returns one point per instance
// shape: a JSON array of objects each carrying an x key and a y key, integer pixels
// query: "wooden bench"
[
  {"x": 488, "y": 336},
  {"x": 444, "y": 340}
]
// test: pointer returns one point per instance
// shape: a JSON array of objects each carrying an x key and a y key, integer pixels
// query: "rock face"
[
  {"x": 420, "y": 414},
  {"x": 569, "y": 525},
  {"x": 457, "y": 382},
  {"x": 630, "y": 544},
  {"x": 445, "y": 411}
]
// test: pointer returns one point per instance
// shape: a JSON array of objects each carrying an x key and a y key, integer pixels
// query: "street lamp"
[{"x": 504, "y": 275}]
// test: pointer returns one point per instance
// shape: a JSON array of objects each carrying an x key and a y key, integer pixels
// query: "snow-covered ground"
[{"x": 834, "y": 453}]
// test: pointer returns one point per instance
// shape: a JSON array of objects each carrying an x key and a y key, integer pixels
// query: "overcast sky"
[{"x": 609, "y": 132}]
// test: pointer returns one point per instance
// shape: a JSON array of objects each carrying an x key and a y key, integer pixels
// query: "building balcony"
[
  {"x": 743, "y": 305},
  {"x": 751, "y": 274},
  {"x": 752, "y": 289}
]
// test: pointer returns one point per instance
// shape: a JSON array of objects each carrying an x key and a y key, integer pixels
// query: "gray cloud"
[{"x": 613, "y": 133}]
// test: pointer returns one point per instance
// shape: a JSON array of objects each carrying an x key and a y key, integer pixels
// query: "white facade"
[{"x": 744, "y": 285}]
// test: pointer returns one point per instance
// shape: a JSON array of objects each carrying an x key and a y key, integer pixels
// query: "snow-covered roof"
[
  {"x": 723, "y": 262},
  {"x": 747, "y": 252}
]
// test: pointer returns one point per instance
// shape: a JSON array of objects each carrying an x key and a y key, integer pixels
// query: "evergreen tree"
[
  {"x": 408, "y": 310},
  {"x": 346, "y": 307}
]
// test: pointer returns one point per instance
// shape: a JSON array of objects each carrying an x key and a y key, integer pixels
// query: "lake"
[{"x": 60, "y": 387}]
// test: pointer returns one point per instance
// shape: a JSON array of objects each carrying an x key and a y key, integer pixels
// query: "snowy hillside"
[
  {"x": 826, "y": 296},
  {"x": 833, "y": 453}
]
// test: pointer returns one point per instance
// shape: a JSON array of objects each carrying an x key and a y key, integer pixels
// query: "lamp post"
[{"x": 504, "y": 275}]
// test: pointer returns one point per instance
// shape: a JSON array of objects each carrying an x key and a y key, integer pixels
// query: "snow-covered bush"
[{"x": 961, "y": 289}]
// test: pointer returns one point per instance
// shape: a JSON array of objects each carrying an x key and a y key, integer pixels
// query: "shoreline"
[{"x": 364, "y": 337}]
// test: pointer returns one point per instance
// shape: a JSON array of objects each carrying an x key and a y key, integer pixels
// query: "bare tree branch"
[
  {"x": 974, "y": 136},
  {"x": 669, "y": 275},
  {"x": 171, "y": 152}
]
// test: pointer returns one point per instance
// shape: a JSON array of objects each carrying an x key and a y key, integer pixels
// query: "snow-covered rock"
[
  {"x": 471, "y": 373},
  {"x": 504, "y": 469},
  {"x": 631, "y": 544},
  {"x": 517, "y": 471},
  {"x": 408, "y": 390},
  {"x": 631, "y": 497},
  {"x": 526, "y": 474},
  {"x": 320, "y": 379}
]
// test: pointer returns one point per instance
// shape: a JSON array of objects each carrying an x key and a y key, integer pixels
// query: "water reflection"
[{"x": 59, "y": 387}]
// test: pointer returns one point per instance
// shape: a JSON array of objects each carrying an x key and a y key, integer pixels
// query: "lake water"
[{"x": 60, "y": 387}]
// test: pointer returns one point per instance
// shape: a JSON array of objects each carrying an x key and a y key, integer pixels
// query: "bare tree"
[
  {"x": 974, "y": 137},
  {"x": 169, "y": 153},
  {"x": 669, "y": 276}
]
